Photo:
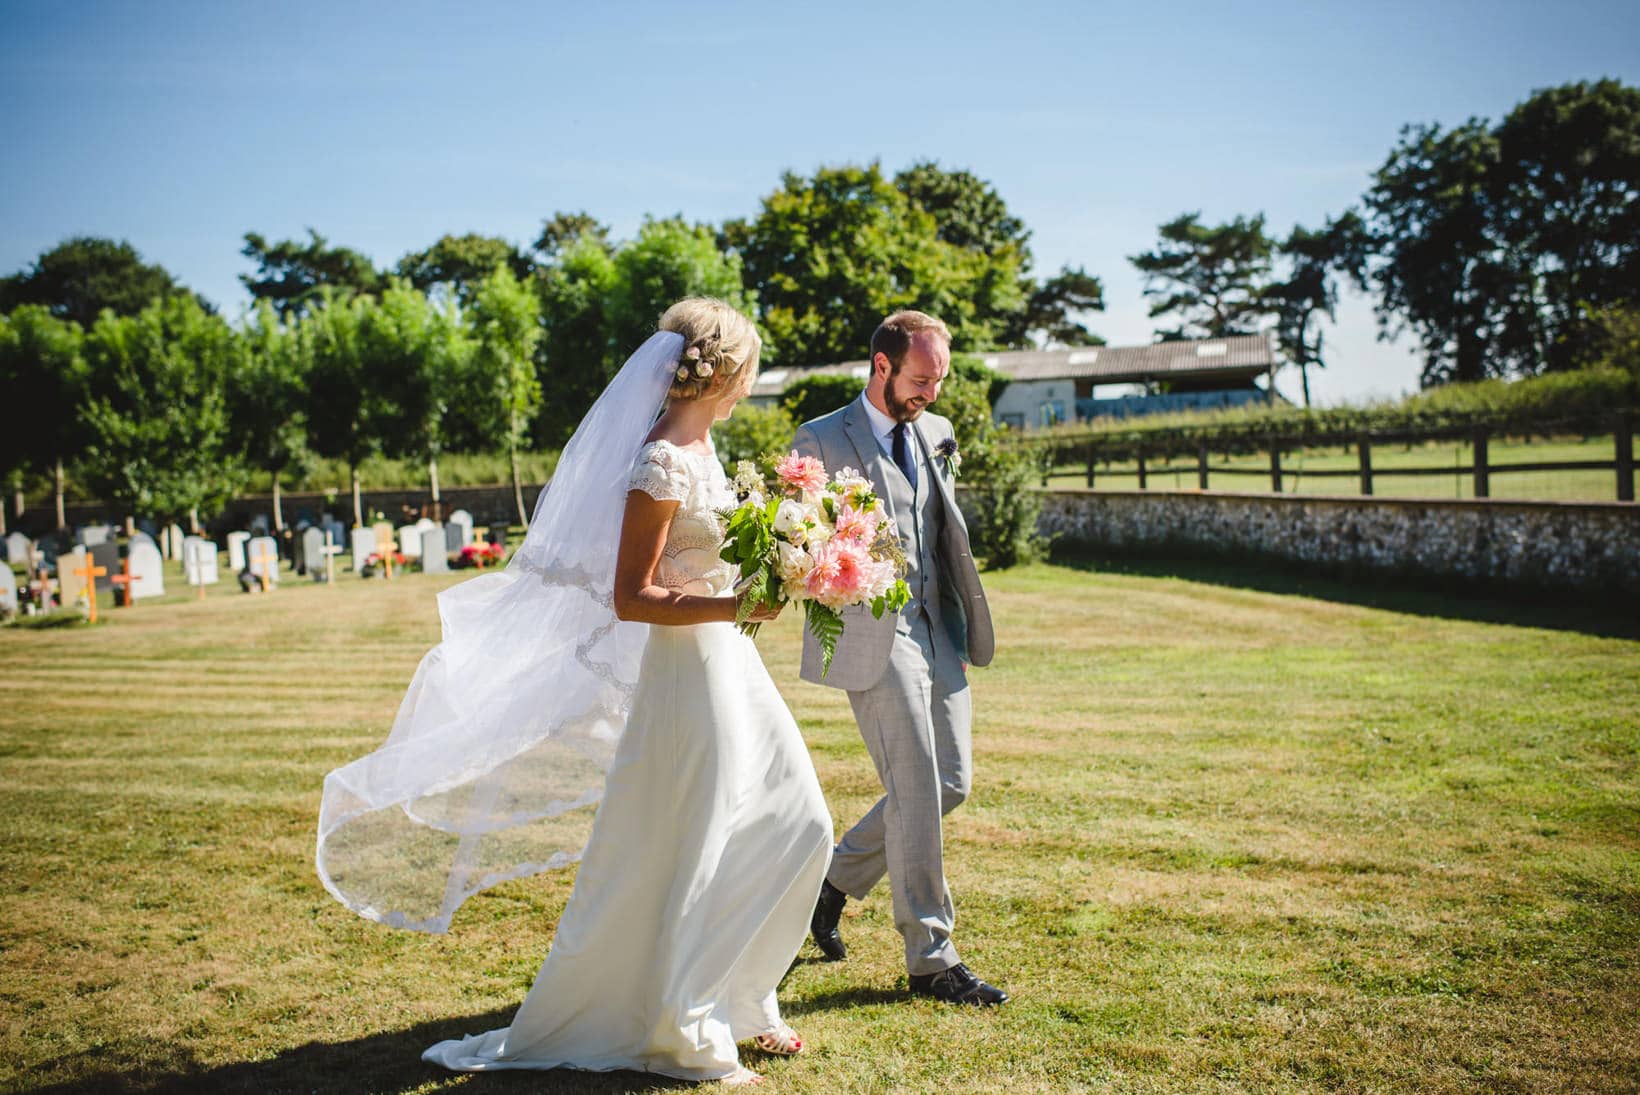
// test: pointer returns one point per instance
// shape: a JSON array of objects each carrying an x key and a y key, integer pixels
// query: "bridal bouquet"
[{"x": 824, "y": 543}]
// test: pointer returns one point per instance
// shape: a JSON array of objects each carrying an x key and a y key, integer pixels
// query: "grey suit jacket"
[{"x": 844, "y": 439}]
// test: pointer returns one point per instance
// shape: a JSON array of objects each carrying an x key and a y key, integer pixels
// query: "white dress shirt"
[{"x": 882, "y": 427}]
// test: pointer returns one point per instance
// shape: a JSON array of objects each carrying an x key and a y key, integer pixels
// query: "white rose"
[
  {"x": 789, "y": 516},
  {"x": 795, "y": 563}
]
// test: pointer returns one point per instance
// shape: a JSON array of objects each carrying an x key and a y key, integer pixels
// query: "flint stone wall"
[{"x": 1561, "y": 545}]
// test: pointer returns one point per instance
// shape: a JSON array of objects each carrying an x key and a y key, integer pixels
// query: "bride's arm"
[{"x": 637, "y": 596}]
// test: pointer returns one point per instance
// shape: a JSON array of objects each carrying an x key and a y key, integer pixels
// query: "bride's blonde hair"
[{"x": 718, "y": 343}]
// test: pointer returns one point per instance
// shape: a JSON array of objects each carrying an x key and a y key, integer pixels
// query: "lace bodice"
[{"x": 689, "y": 563}]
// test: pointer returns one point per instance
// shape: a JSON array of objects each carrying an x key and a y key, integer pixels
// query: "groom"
[{"x": 905, "y": 675}]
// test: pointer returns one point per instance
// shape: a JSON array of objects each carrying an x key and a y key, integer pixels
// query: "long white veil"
[{"x": 499, "y": 751}]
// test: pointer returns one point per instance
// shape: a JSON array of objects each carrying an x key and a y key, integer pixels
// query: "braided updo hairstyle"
[{"x": 718, "y": 344}]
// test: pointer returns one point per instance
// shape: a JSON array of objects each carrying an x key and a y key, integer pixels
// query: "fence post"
[
  {"x": 1090, "y": 467},
  {"x": 1623, "y": 439},
  {"x": 1142, "y": 470},
  {"x": 1201, "y": 465},
  {"x": 1483, "y": 479},
  {"x": 1275, "y": 468},
  {"x": 1366, "y": 466}
]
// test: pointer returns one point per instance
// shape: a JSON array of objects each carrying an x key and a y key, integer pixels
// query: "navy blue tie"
[{"x": 902, "y": 456}]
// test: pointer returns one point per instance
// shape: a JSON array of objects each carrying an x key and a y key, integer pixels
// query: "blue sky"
[{"x": 182, "y": 126}]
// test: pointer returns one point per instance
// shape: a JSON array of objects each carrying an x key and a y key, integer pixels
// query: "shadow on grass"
[
  {"x": 843, "y": 998},
  {"x": 1612, "y": 616},
  {"x": 386, "y": 1062}
]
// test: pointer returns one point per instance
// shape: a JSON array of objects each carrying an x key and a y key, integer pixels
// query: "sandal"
[
  {"x": 741, "y": 1077},
  {"x": 782, "y": 1042}
]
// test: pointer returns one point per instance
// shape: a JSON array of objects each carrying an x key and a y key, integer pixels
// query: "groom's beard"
[{"x": 902, "y": 408}]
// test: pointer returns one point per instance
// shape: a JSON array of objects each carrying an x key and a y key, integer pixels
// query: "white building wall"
[{"x": 1035, "y": 403}]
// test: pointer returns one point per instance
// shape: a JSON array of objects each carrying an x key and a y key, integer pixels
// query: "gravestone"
[
  {"x": 92, "y": 535},
  {"x": 497, "y": 535},
  {"x": 337, "y": 530},
  {"x": 453, "y": 534},
  {"x": 141, "y": 537},
  {"x": 363, "y": 547},
  {"x": 433, "y": 559},
  {"x": 410, "y": 542},
  {"x": 8, "y": 592},
  {"x": 425, "y": 523},
  {"x": 298, "y": 547},
  {"x": 262, "y": 557},
  {"x": 147, "y": 570},
  {"x": 328, "y": 550},
  {"x": 108, "y": 555},
  {"x": 170, "y": 541},
  {"x": 384, "y": 535},
  {"x": 17, "y": 548},
  {"x": 69, "y": 584},
  {"x": 260, "y": 525},
  {"x": 236, "y": 550},
  {"x": 312, "y": 552},
  {"x": 465, "y": 520},
  {"x": 199, "y": 561}
]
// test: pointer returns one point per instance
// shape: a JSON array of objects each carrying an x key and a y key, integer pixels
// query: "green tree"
[
  {"x": 574, "y": 358},
  {"x": 1429, "y": 251},
  {"x": 759, "y": 434},
  {"x": 829, "y": 256},
  {"x": 42, "y": 369},
  {"x": 809, "y": 397},
  {"x": 455, "y": 265},
  {"x": 560, "y": 231},
  {"x": 291, "y": 274},
  {"x": 160, "y": 442},
  {"x": 1309, "y": 291},
  {"x": 1565, "y": 205},
  {"x": 419, "y": 354},
  {"x": 1055, "y": 305},
  {"x": 669, "y": 260},
  {"x": 1209, "y": 278},
  {"x": 505, "y": 320},
  {"x": 345, "y": 408},
  {"x": 267, "y": 399},
  {"x": 80, "y": 277}
]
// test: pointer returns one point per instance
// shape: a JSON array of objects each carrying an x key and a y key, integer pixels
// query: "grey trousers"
[{"x": 917, "y": 725}]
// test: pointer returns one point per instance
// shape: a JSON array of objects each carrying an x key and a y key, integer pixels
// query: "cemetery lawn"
[{"x": 1230, "y": 831}]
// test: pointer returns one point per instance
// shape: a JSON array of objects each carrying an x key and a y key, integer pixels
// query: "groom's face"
[{"x": 917, "y": 384}]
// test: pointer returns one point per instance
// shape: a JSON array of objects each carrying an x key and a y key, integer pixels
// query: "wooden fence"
[{"x": 1135, "y": 457}]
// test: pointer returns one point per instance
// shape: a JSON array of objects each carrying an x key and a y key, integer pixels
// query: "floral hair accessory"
[
  {"x": 947, "y": 451},
  {"x": 683, "y": 372}
]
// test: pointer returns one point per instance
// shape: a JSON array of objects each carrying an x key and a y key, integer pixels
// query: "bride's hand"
[{"x": 762, "y": 614}]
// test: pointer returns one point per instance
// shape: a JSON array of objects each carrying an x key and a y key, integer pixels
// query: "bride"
[{"x": 608, "y": 645}]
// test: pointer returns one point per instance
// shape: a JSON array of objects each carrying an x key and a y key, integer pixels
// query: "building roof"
[{"x": 1237, "y": 357}]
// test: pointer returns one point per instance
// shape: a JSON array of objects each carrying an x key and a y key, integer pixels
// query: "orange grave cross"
[
  {"x": 124, "y": 580},
  {"x": 263, "y": 557},
  {"x": 91, "y": 572}
]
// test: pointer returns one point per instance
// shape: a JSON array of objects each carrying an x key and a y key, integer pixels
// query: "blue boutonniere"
[{"x": 947, "y": 451}]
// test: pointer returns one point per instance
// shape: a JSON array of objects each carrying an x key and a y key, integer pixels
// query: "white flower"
[
  {"x": 794, "y": 565},
  {"x": 789, "y": 516},
  {"x": 755, "y": 498},
  {"x": 683, "y": 372},
  {"x": 704, "y": 369}
]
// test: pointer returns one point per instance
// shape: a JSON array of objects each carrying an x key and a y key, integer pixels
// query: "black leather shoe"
[
  {"x": 823, "y": 924},
  {"x": 957, "y": 986}
]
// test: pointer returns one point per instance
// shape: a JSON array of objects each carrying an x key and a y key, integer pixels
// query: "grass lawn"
[
  {"x": 1231, "y": 831},
  {"x": 1252, "y": 472}
]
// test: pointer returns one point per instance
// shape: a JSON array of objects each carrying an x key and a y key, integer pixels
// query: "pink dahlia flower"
[
  {"x": 857, "y": 526},
  {"x": 842, "y": 574},
  {"x": 801, "y": 473}
]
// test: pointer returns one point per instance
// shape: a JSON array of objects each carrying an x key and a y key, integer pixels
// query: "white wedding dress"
[{"x": 706, "y": 855}]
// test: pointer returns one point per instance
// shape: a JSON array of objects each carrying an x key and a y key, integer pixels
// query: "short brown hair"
[{"x": 893, "y": 335}]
